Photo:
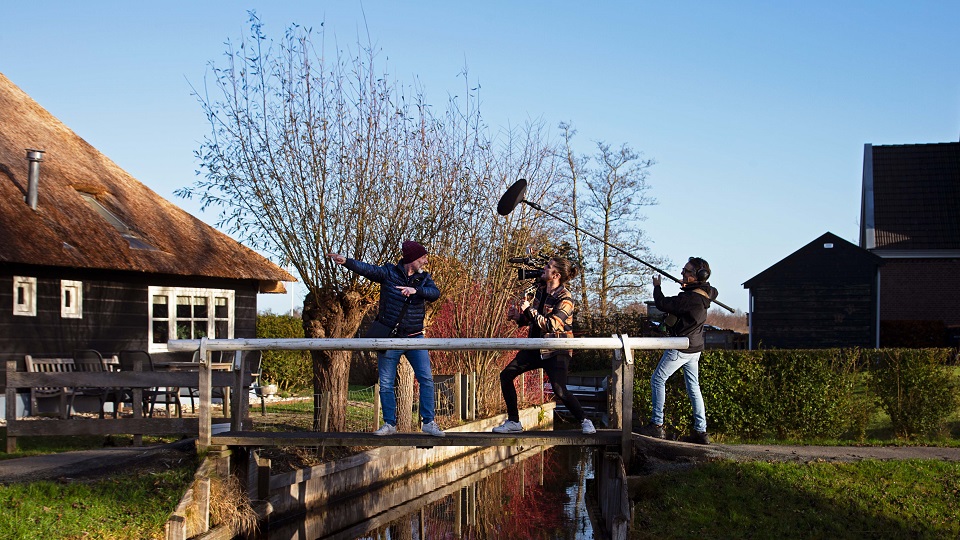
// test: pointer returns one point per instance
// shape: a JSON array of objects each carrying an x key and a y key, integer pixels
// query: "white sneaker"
[
  {"x": 587, "y": 426},
  {"x": 508, "y": 426},
  {"x": 431, "y": 428},
  {"x": 386, "y": 429}
]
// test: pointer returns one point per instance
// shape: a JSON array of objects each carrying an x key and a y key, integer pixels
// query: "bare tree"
[
  {"x": 616, "y": 192},
  {"x": 576, "y": 168},
  {"x": 314, "y": 151}
]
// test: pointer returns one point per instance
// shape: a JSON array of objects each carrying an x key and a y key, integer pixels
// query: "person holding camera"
[
  {"x": 686, "y": 314},
  {"x": 405, "y": 288},
  {"x": 549, "y": 315}
]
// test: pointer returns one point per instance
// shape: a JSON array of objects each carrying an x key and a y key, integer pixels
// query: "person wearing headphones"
[{"x": 686, "y": 314}]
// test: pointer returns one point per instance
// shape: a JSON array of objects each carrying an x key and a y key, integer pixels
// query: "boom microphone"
[{"x": 514, "y": 196}]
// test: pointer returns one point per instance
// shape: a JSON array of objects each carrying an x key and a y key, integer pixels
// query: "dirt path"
[{"x": 674, "y": 451}]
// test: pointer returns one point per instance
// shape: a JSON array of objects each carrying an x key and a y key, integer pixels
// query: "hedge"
[{"x": 809, "y": 394}]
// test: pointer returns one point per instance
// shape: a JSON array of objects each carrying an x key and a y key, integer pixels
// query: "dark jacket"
[
  {"x": 391, "y": 276},
  {"x": 690, "y": 308}
]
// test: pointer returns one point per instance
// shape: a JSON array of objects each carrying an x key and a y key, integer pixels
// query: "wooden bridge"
[{"x": 621, "y": 390}]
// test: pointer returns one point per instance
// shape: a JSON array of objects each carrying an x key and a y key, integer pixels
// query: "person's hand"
[
  {"x": 524, "y": 305},
  {"x": 656, "y": 280},
  {"x": 407, "y": 291},
  {"x": 337, "y": 258}
]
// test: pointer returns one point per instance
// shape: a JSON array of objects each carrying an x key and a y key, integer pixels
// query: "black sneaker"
[
  {"x": 698, "y": 437},
  {"x": 653, "y": 430}
]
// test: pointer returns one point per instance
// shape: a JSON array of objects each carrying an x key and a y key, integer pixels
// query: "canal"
[{"x": 509, "y": 493}]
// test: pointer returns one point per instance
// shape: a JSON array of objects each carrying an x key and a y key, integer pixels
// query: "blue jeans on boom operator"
[
  {"x": 670, "y": 362},
  {"x": 387, "y": 363}
]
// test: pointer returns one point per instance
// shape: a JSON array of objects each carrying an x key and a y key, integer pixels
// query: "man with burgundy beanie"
[{"x": 405, "y": 288}]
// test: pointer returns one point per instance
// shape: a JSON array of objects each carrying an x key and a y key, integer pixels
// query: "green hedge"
[
  {"x": 809, "y": 394},
  {"x": 289, "y": 370}
]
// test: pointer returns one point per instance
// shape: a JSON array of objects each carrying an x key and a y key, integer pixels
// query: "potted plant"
[{"x": 268, "y": 388}]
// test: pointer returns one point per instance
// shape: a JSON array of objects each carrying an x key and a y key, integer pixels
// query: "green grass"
[
  {"x": 870, "y": 499},
  {"x": 34, "y": 446},
  {"x": 135, "y": 506}
]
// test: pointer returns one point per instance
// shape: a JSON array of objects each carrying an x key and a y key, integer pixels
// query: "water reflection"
[{"x": 507, "y": 493}]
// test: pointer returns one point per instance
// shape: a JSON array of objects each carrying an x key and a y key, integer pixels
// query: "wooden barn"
[
  {"x": 90, "y": 258},
  {"x": 823, "y": 295},
  {"x": 910, "y": 217}
]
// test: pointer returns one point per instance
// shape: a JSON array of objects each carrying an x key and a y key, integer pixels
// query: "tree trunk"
[
  {"x": 331, "y": 315},
  {"x": 405, "y": 378}
]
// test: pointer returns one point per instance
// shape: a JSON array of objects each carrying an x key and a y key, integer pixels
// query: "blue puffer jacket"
[{"x": 391, "y": 276}]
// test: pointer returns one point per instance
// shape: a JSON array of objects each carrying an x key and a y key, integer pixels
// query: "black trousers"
[{"x": 555, "y": 367}]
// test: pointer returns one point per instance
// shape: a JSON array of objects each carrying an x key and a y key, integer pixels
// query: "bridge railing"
[{"x": 622, "y": 345}]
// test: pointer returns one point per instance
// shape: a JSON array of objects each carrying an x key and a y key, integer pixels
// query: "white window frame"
[
  {"x": 172, "y": 294},
  {"x": 71, "y": 299},
  {"x": 29, "y": 306}
]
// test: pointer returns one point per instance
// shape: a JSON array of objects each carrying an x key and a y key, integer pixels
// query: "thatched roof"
[{"x": 69, "y": 229}]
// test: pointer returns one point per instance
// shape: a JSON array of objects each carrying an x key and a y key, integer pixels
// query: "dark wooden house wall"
[
  {"x": 920, "y": 289},
  {"x": 115, "y": 312},
  {"x": 814, "y": 316}
]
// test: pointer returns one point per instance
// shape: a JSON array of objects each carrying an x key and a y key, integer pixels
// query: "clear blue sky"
[{"x": 756, "y": 112}]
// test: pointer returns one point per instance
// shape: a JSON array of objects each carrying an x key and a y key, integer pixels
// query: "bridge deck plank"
[{"x": 453, "y": 438}]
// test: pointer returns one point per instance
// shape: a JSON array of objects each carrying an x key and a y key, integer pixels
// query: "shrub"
[
  {"x": 915, "y": 388},
  {"x": 289, "y": 370}
]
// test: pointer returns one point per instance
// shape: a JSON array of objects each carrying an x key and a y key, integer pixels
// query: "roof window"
[{"x": 125, "y": 231}]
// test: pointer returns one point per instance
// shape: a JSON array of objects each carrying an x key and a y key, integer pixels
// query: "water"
[{"x": 508, "y": 493}]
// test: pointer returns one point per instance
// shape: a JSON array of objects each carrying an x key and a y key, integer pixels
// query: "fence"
[{"x": 622, "y": 345}]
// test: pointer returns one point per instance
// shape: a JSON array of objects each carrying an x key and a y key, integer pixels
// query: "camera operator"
[
  {"x": 549, "y": 315},
  {"x": 686, "y": 314}
]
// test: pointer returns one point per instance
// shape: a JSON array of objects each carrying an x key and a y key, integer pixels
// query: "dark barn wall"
[
  {"x": 818, "y": 297},
  {"x": 115, "y": 312},
  {"x": 813, "y": 316}
]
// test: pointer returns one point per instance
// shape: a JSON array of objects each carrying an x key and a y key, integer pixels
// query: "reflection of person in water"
[{"x": 549, "y": 315}]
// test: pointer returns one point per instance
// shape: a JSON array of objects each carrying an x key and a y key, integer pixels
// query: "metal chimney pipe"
[{"x": 33, "y": 176}]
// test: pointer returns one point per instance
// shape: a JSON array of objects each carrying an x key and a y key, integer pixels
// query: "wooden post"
[
  {"x": 472, "y": 395},
  {"x": 239, "y": 398},
  {"x": 626, "y": 443},
  {"x": 206, "y": 393},
  {"x": 11, "y": 406},
  {"x": 614, "y": 403},
  {"x": 376, "y": 406},
  {"x": 458, "y": 396},
  {"x": 137, "y": 398}
]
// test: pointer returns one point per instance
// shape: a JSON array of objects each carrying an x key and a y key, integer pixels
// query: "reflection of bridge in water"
[
  {"x": 613, "y": 503},
  {"x": 487, "y": 494}
]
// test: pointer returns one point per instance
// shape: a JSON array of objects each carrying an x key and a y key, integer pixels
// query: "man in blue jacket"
[
  {"x": 686, "y": 315},
  {"x": 405, "y": 288}
]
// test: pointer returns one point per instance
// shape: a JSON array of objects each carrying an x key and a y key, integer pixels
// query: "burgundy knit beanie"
[{"x": 412, "y": 251}]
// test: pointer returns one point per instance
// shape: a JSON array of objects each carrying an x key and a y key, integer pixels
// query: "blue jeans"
[
  {"x": 387, "y": 362},
  {"x": 670, "y": 362}
]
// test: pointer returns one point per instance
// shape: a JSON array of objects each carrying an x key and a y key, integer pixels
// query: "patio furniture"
[{"x": 49, "y": 365}]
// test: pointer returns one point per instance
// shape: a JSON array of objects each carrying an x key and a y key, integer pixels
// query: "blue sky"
[{"x": 755, "y": 112}]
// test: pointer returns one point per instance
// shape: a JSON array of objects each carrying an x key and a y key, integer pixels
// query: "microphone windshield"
[{"x": 512, "y": 197}]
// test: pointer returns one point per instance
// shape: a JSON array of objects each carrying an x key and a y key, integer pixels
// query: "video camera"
[{"x": 529, "y": 267}]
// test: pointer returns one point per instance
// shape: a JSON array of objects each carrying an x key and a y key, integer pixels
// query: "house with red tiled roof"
[{"x": 910, "y": 217}]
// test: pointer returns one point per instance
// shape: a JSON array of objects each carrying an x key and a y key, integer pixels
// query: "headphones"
[{"x": 703, "y": 274}]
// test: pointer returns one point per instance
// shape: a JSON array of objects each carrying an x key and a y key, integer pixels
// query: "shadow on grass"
[{"x": 871, "y": 499}]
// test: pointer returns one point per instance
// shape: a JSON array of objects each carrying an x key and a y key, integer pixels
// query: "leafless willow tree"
[{"x": 315, "y": 150}]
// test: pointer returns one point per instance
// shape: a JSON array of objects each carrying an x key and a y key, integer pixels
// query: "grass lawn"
[{"x": 869, "y": 499}]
